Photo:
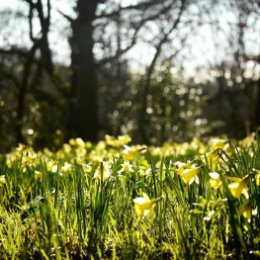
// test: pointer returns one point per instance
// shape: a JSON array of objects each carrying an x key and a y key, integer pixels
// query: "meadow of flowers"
[{"x": 114, "y": 200}]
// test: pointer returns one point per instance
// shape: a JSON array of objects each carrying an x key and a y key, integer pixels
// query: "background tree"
[
  {"x": 33, "y": 67},
  {"x": 148, "y": 68},
  {"x": 84, "y": 112},
  {"x": 235, "y": 87}
]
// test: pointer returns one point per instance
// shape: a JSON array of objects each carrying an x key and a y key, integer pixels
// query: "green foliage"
[{"x": 112, "y": 201}]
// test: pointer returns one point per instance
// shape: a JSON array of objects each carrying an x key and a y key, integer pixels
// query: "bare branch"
[
  {"x": 69, "y": 18},
  {"x": 150, "y": 71},
  {"x": 143, "y": 5},
  {"x": 137, "y": 27},
  {"x": 121, "y": 52}
]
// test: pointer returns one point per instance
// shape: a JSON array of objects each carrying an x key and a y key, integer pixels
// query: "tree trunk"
[
  {"x": 257, "y": 108},
  {"x": 83, "y": 107},
  {"x": 22, "y": 93}
]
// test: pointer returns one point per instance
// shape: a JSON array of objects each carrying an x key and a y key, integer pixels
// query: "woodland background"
[{"x": 159, "y": 70}]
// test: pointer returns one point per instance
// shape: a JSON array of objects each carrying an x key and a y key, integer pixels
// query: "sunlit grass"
[{"x": 114, "y": 200}]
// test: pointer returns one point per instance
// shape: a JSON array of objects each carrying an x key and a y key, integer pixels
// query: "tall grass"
[{"x": 113, "y": 201}]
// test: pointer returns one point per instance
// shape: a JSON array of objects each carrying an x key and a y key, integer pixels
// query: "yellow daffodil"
[
  {"x": 144, "y": 204},
  {"x": 47, "y": 152},
  {"x": 198, "y": 146},
  {"x": 110, "y": 140},
  {"x": 66, "y": 168},
  {"x": 2, "y": 180},
  {"x": 215, "y": 180},
  {"x": 103, "y": 171},
  {"x": 9, "y": 160},
  {"x": 66, "y": 148},
  {"x": 124, "y": 139},
  {"x": 209, "y": 216},
  {"x": 181, "y": 166},
  {"x": 117, "y": 142},
  {"x": 190, "y": 175},
  {"x": 188, "y": 172},
  {"x": 86, "y": 167},
  {"x": 245, "y": 210},
  {"x": 37, "y": 175},
  {"x": 248, "y": 141},
  {"x": 239, "y": 186},
  {"x": 156, "y": 151},
  {"x": 130, "y": 152},
  {"x": 216, "y": 143},
  {"x": 257, "y": 177},
  {"x": 126, "y": 167},
  {"x": 77, "y": 142},
  {"x": 145, "y": 171},
  {"x": 52, "y": 166}
]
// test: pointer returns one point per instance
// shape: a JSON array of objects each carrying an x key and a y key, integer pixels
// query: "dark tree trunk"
[
  {"x": 83, "y": 108},
  {"x": 22, "y": 93},
  {"x": 46, "y": 61},
  {"x": 257, "y": 108},
  {"x": 46, "y": 55}
]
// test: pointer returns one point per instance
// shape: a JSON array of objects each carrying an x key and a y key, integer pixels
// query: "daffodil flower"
[
  {"x": 77, "y": 142},
  {"x": 190, "y": 175},
  {"x": 257, "y": 177},
  {"x": 127, "y": 167},
  {"x": 37, "y": 175},
  {"x": 188, "y": 172},
  {"x": 130, "y": 152},
  {"x": 216, "y": 143},
  {"x": 245, "y": 210},
  {"x": 215, "y": 180},
  {"x": 2, "y": 180},
  {"x": 181, "y": 166},
  {"x": 86, "y": 167},
  {"x": 144, "y": 204},
  {"x": 66, "y": 168},
  {"x": 52, "y": 166},
  {"x": 248, "y": 141},
  {"x": 209, "y": 216},
  {"x": 103, "y": 171},
  {"x": 239, "y": 186},
  {"x": 117, "y": 142}
]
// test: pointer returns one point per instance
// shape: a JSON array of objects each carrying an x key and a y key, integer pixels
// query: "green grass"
[{"x": 78, "y": 202}]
